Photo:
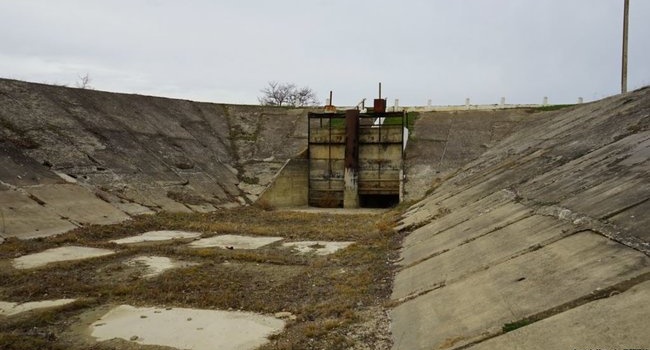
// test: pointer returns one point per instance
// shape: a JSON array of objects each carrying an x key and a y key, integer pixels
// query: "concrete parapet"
[
  {"x": 463, "y": 107},
  {"x": 467, "y": 106}
]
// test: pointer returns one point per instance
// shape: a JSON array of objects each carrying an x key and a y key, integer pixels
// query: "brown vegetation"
[{"x": 329, "y": 295}]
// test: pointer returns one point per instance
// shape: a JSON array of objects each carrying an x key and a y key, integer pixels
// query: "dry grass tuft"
[{"x": 264, "y": 205}]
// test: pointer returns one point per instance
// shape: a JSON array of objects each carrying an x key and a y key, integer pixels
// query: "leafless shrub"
[
  {"x": 84, "y": 82},
  {"x": 287, "y": 94}
]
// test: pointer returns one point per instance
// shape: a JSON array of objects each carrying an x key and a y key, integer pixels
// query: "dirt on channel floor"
[{"x": 337, "y": 301}]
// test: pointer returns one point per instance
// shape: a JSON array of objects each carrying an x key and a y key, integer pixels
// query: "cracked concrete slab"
[
  {"x": 478, "y": 306},
  {"x": 53, "y": 255},
  {"x": 611, "y": 323},
  {"x": 184, "y": 328},
  {"x": 158, "y": 236},
  {"x": 234, "y": 242}
]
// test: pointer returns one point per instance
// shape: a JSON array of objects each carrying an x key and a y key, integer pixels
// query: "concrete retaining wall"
[{"x": 290, "y": 188}]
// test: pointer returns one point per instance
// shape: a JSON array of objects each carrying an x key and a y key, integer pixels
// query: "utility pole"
[{"x": 626, "y": 15}]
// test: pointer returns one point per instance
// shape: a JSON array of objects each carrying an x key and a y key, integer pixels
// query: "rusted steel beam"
[{"x": 352, "y": 139}]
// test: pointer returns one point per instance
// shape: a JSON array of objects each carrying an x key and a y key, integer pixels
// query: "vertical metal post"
[{"x": 626, "y": 15}]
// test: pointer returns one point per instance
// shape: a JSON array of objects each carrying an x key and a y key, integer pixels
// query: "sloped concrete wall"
[
  {"x": 137, "y": 153},
  {"x": 442, "y": 142},
  {"x": 530, "y": 234}
]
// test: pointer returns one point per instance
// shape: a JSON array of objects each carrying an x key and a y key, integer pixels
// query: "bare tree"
[
  {"x": 276, "y": 94},
  {"x": 303, "y": 97},
  {"x": 84, "y": 82},
  {"x": 287, "y": 94}
]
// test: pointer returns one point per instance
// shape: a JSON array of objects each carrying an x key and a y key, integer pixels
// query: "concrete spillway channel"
[{"x": 126, "y": 222}]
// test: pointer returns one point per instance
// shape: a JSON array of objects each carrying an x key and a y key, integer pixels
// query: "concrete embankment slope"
[
  {"x": 442, "y": 142},
  {"x": 71, "y": 156},
  {"x": 541, "y": 243}
]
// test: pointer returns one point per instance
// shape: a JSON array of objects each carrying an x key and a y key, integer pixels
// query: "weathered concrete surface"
[
  {"x": 511, "y": 240},
  {"x": 581, "y": 153},
  {"x": 139, "y": 154},
  {"x": 10, "y": 309},
  {"x": 77, "y": 204},
  {"x": 187, "y": 328},
  {"x": 19, "y": 170},
  {"x": 53, "y": 255},
  {"x": 443, "y": 142},
  {"x": 432, "y": 242},
  {"x": 24, "y": 218},
  {"x": 478, "y": 306},
  {"x": 611, "y": 323},
  {"x": 540, "y": 223},
  {"x": 290, "y": 188},
  {"x": 263, "y": 139}
]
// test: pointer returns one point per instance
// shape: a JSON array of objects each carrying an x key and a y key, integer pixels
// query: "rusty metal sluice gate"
[{"x": 355, "y": 159}]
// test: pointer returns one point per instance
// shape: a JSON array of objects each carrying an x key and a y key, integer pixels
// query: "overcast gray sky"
[{"x": 226, "y": 51}]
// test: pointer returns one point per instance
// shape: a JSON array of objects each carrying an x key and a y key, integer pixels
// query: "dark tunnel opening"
[{"x": 378, "y": 200}]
